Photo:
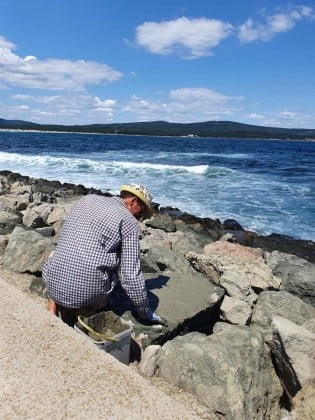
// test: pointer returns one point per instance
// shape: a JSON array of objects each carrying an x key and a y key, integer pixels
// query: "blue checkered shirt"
[{"x": 99, "y": 236}]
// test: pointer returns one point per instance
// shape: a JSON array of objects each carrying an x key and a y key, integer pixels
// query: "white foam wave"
[
  {"x": 197, "y": 169},
  {"x": 90, "y": 165},
  {"x": 206, "y": 154}
]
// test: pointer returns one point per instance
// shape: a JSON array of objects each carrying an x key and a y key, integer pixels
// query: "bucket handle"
[{"x": 103, "y": 336}]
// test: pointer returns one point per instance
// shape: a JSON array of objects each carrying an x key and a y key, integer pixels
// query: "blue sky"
[{"x": 79, "y": 62}]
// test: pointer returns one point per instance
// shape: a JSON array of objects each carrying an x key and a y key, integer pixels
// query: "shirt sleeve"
[{"x": 132, "y": 278}]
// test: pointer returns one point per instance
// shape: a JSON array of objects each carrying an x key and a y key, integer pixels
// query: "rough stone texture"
[
  {"x": 230, "y": 371},
  {"x": 8, "y": 221},
  {"x": 159, "y": 258},
  {"x": 309, "y": 324},
  {"x": 235, "y": 311},
  {"x": 236, "y": 278},
  {"x": 235, "y": 251},
  {"x": 3, "y": 244},
  {"x": 241, "y": 271},
  {"x": 19, "y": 189},
  {"x": 8, "y": 202},
  {"x": 33, "y": 220},
  {"x": 234, "y": 260},
  {"x": 23, "y": 202},
  {"x": 297, "y": 346},
  {"x": 42, "y": 209},
  {"x": 59, "y": 213},
  {"x": 183, "y": 242},
  {"x": 304, "y": 404},
  {"x": 231, "y": 257},
  {"x": 297, "y": 275},
  {"x": 147, "y": 365},
  {"x": 274, "y": 242},
  {"x": 166, "y": 250},
  {"x": 27, "y": 251},
  {"x": 162, "y": 221},
  {"x": 281, "y": 303}
]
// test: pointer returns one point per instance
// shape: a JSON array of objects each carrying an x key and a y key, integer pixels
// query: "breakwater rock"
[{"x": 240, "y": 307}]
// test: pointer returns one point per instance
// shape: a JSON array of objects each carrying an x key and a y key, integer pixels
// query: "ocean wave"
[
  {"x": 90, "y": 165},
  {"x": 194, "y": 169},
  {"x": 193, "y": 154},
  {"x": 226, "y": 179}
]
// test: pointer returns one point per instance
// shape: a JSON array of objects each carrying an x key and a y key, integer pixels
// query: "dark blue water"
[{"x": 267, "y": 185}]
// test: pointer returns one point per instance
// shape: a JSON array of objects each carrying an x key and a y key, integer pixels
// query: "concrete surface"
[{"x": 47, "y": 370}]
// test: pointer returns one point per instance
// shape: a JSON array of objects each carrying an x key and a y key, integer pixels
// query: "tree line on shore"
[{"x": 225, "y": 129}]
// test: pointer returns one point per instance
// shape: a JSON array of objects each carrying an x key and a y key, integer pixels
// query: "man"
[{"x": 99, "y": 236}]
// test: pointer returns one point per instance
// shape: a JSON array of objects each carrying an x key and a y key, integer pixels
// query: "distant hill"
[
  {"x": 16, "y": 124},
  {"x": 228, "y": 129}
]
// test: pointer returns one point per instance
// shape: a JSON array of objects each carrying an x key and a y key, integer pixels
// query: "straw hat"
[{"x": 141, "y": 192}]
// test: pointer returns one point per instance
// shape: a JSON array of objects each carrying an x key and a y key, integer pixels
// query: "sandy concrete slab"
[
  {"x": 180, "y": 296},
  {"x": 47, "y": 370}
]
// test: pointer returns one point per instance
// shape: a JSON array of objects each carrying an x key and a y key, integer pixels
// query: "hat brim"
[{"x": 148, "y": 209}]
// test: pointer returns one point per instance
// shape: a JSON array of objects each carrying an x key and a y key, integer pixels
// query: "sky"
[{"x": 115, "y": 61}]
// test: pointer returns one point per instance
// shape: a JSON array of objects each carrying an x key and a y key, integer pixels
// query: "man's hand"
[{"x": 158, "y": 320}]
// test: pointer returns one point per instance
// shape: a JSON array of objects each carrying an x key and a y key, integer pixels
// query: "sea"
[{"x": 268, "y": 186}]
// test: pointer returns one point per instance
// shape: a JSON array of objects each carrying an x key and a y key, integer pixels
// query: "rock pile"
[{"x": 240, "y": 307}]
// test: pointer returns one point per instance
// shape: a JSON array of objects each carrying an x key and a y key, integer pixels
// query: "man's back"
[{"x": 88, "y": 250}]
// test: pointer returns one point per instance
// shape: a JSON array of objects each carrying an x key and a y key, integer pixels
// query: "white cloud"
[
  {"x": 183, "y": 105},
  {"x": 190, "y": 38},
  {"x": 30, "y": 57},
  {"x": 53, "y": 73},
  {"x": 5, "y": 44},
  {"x": 279, "y": 22},
  {"x": 255, "y": 116},
  {"x": 106, "y": 107},
  {"x": 294, "y": 119},
  {"x": 62, "y": 109},
  {"x": 285, "y": 119},
  {"x": 107, "y": 103},
  {"x": 287, "y": 114},
  {"x": 23, "y": 108},
  {"x": 201, "y": 95}
]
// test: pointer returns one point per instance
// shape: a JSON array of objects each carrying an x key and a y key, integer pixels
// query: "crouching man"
[{"x": 99, "y": 237}]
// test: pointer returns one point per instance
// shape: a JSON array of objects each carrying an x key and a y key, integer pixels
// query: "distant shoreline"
[
  {"x": 19, "y": 130},
  {"x": 206, "y": 129}
]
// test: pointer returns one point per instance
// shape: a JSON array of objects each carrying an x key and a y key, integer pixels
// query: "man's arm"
[{"x": 132, "y": 277}]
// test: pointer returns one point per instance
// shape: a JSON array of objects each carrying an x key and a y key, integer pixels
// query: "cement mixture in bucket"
[{"x": 107, "y": 323}]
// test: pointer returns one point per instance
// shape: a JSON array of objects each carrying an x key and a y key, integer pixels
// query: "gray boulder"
[
  {"x": 162, "y": 250},
  {"x": 33, "y": 220},
  {"x": 190, "y": 241},
  {"x": 230, "y": 371},
  {"x": 59, "y": 213},
  {"x": 27, "y": 250},
  {"x": 281, "y": 303},
  {"x": 303, "y": 404},
  {"x": 293, "y": 347},
  {"x": 241, "y": 271},
  {"x": 147, "y": 365},
  {"x": 3, "y": 244},
  {"x": 235, "y": 311},
  {"x": 162, "y": 221},
  {"x": 297, "y": 275},
  {"x": 42, "y": 209},
  {"x": 159, "y": 258},
  {"x": 20, "y": 189},
  {"x": 8, "y": 221}
]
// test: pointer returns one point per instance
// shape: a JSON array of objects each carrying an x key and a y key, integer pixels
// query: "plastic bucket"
[{"x": 108, "y": 324}]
